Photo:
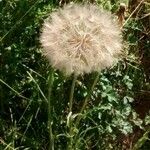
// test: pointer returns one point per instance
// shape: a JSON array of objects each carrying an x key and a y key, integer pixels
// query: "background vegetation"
[{"x": 117, "y": 115}]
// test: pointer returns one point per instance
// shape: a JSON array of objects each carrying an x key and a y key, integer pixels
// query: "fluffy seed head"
[{"x": 81, "y": 39}]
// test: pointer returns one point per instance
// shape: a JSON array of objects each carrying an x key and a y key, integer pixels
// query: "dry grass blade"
[
  {"x": 12, "y": 89},
  {"x": 37, "y": 86},
  {"x": 14, "y": 26},
  {"x": 133, "y": 12}
]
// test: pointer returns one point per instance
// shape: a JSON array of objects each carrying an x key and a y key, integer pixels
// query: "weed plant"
[{"x": 110, "y": 118}]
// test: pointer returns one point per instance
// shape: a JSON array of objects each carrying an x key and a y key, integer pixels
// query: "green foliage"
[{"x": 109, "y": 116}]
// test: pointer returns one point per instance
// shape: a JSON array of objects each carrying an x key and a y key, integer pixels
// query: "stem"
[
  {"x": 142, "y": 140},
  {"x": 84, "y": 104},
  {"x": 72, "y": 93},
  {"x": 87, "y": 99},
  {"x": 50, "y": 84},
  {"x": 70, "y": 110}
]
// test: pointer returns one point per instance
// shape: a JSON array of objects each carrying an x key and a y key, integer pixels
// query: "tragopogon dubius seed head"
[{"x": 81, "y": 39}]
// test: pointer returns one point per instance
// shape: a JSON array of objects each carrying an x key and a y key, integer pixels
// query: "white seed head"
[{"x": 81, "y": 39}]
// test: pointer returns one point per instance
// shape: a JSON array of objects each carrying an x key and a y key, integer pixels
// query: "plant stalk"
[
  {"x": 87, "y": 99},
  {"x": 72, "y": 93},
  {"x": 69, "y": 146},
  {"x": 50, "y": 119},
  {"x": 85, "y": 103},
  {"x": 142, "y": 140}
]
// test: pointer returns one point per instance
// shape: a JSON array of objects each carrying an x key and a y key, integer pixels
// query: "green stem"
[
  {"x": 70, "y": 110},
  {"x": 84, "y": 105},
  {"x": 72, "y": 93},
  {"x": 142, "y": 140},
  {"x": 50, "y": 84},
  {"x": 87, "y": 99}
]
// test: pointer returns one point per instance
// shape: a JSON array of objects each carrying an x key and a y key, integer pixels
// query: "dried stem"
[{"x": 133, "y": 13}]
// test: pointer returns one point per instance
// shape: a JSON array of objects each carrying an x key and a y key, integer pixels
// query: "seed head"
[{"x": 81, "y": 39}]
